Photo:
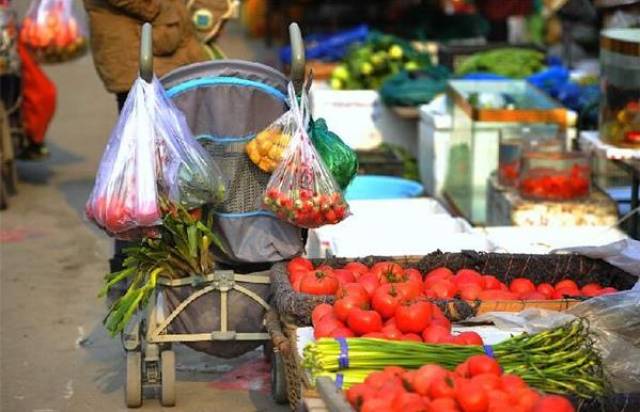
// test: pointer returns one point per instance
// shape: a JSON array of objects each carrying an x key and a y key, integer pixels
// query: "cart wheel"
[
  {"x": 168, "y": 374},
  {"x": 133, "y": 385},
  {"x": 278, "y": 379}
]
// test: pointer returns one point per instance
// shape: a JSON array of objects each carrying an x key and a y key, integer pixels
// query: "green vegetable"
[
  {"x": 509, "y": 62},
  {"x": 414, "y": 88},
  {"x": 561, "y": 360},
  {"x": 341, "y": 160}
]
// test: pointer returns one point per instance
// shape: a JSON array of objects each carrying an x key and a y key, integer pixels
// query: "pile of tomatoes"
[
  {"x": 553, "y": 185},
  {"x": 477, "y": 385},
  {"x": 305, "y": 208}
]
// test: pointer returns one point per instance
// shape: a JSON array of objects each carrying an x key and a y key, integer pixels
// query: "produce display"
[
  {"x": 52, "y": 30},
  {"x": 555, "y": 176},
  {"x": 477, "y": 385},
  {"x": 369, "y": 64},
  {"x": 509, "y": 62},
  {"x": 560, "y": 360},
  {"x": 623, "y": 126},
  {"x": 413, "y": 88},
  {"x": 301, "y": 190}
]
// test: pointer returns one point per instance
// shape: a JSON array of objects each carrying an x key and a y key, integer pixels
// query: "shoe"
[{"x": 34, "y": 151}]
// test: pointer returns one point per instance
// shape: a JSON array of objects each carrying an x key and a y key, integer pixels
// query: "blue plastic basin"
[{"x": 382, "y": 187}]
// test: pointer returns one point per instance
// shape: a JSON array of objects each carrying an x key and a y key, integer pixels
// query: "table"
[{"x": 632, "y": 166}]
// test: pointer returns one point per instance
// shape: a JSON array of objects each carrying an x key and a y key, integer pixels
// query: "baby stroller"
[{"x": 225, "y": 104}]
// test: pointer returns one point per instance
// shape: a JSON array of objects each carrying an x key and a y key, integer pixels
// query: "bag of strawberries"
[
  {"x": 53, "y": 30},
  {"x": 150, "y": 164},
  {"x": 301, "y": 189}
]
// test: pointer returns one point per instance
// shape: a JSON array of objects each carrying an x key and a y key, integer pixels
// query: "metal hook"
[
  {"x": 146, "y": 53},
  {"x": 297, "y": 57}
]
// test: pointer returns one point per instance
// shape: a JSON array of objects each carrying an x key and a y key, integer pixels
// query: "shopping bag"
[
  {"x": 54, "y": 31},
  {"x": 38, "y": 97},
  {"x": 151, "y": 163},
  {"x": 301, "y": 190},
  {"x": 267, "y": 148},
  {"x": 341, "y": 160}
]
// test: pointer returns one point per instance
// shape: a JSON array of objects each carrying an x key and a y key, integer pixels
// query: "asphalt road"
[{"x": 55, "y": 355}]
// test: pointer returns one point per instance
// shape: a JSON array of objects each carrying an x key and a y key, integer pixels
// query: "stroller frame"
[{"x": 150, "y": 360}]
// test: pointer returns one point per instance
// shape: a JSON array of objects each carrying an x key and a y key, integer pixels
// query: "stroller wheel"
[
  {"x": 278, "y": 379},
  {"x": 133, "y": 385},
  {"x": 168, "y": 376}
]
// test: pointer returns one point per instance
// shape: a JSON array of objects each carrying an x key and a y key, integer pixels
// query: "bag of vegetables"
[
  {"x": 301, "y": 190},
  {"x": 266, "y": 149},
  {"x": 341, "y": 160},
  {"x": 150, "y": 156}
]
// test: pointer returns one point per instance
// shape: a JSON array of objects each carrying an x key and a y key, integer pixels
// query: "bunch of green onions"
[{"x": 561, "y": 360}]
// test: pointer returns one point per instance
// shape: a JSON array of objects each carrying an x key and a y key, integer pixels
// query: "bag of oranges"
[
  {"x": 267, "y": 148},
  {"x": 53, "y": 31}
]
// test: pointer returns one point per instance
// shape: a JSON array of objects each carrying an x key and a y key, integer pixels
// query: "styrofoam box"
[
  {"x": 434, "y": 132},
  {"x": 514, "y": 239},
  {"x": 361, "y": 120}
]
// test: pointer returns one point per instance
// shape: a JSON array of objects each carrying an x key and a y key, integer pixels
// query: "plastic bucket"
[{"x": 382, "y": 187}]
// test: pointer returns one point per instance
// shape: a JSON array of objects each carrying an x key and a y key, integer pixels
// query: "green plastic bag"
[
  {"x": 341, "y": 160},
  {"x": 415, "y": 88}
]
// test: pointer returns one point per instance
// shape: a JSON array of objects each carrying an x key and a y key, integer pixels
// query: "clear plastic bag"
[
  {"x": 301, "y": 190},
  {"x": 151, "y": 162},
  {"x": 268, "y": 147},
  {"x": 54, "y": 30}
]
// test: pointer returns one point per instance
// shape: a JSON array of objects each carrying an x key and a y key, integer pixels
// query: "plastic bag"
[
  {"x": 624, "y": 254},
  {"x": 54, "y": 31},
  {"x": 268, "y": 147},
  {"x": 341, "y": 160},
  {"x": 151, "y": 160},
  {"x": 301, "y": 190}
]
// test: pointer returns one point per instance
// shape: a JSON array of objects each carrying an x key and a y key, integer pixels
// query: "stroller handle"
[
  {"x": 297, "y": 57},
  {"x": 146, "y": 53}
]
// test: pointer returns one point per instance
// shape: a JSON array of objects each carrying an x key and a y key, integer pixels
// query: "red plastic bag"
[{"x": 38, "y": 97}]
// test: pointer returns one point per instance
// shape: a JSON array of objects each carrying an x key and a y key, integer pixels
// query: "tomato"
[
  {"x": 533, "y": 296},
  {"x": 369, "y": 282},
  {"x": 496, "y": 396},
  {"x": 391, "y": 332},
  {"x": 362, "y": 322},
  {"x": 443, "y": 386},
  {"x": 497, "y": 295},
  {"x": 435, "y": 334},
  {"x": 444, "y": 289},
  {"x": 376, "y": 379},
  {"x": 511, "y": 383},
  {"x": 299, "y": 263},
  {"x": 353, "y": 290},
  {"x": 374, "y": 335},
  {"x": 296, "y": 278},
  {"x": 607, "y": 291},
  {"x": 437, "y": 275},
  {"x": 469, "y": 291},
  {"x": 470, "y": 338},
  {"x": 344, "y": 276},
  {"x": 388, "y": 272},
  {"x": 490, "y": 282},
  {"x": 410, "y": 289},
  {"x": 487, "y": 381},
  {"x": 527, "y": 398},
  {"x": 467, "y": 276},
  {"x": 411, "y": 337},
  {"x": 591, "y": 289},
  {"x": 443, "y": 405},
  {"x": 546, "y": 289},
  {"x": 553, "y": 403},
  {"x": 424, "y": 376},
  {"x": 385, "y": 300},
  {"x": 409, "y": 402},
  {"x": 471, "y": 398},
  {"x": 356, "y": 268},
  {"x": 343, "y": 307},
  {"x": 319, "y": 282},
  {"x": 462, "y": 370},
  {"x": 562, "y": 293},
  {"x": 358, "y": 393},
  {"x": 376, "y": 405},
  {"x": 520, "y": 286},
  {"x": 325, "y": 326},
  {"x": 413, "y": 274},
  {"x": 341, "y": 332},
  {"x": 566, "y": 283},
  {"x": 320, "y": 311},
  {"x": 394, "y": 371},
  {"x": 483, "y": 364},
  {"x": 414, "y": 316}
]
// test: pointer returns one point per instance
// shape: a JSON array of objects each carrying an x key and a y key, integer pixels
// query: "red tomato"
[
  {"x": 358, "y": 393},
  {"x": 414, "y": 316},
  {"x": 423, "y": 378},
  {"x": 299, "y": 263},
  {"x": 468, "y": 276},
  {"x": 487, "y": 381},
  {"x": 469, "y": 291},
  {"x": 391, "y": 321},
  {"x": 562, "y": 293},
  {"x": 344, "y": 276},
  {"x": 462, "y": 370},
  {"x": 527, "y": 398},
  {"x": 394, "y": 371},
  {"x": 343, "y": 307},
  {"x": 411, "y": 337},
  {"x": 376, "y": 405},
  {"x": 520, "y": 286},
  {"x": 553, "y": 403},
  {"x": 410, "y": 289},
  {"x": 325, "y": 326},
  {"x": 409, "y": 401},
  {"x": 497, "y": 396},
  {"x": 436, "y": 275},
  {"x": 443, "y": 405},
  {"x": 353, "y": 290},
  {"x": 320, "y": 311},
  {"x": 413, "y": 274},
  {"x": 362, "y": 322},
  {"x": 388, "y": 272},
  {"x": 385, "y": 300},
  {"x": 471, "y": 398},
  {"x": 490, "y": 282},
  {"x": 391, "y": 332},
  {"x": 435, "y": 334},
  {"x": 357, "y": 268},
  {"x": 296, "y": 277},
  {"x": 376, "y": 379},
  {"x": 591, "y": 289},
  {"x": 533, "y": 296},
  {"x": 511, "y": 383},
  {"x": 546, "y": 289},
  {"x": 369, "y": 282},
  {"x": 443, "y": 387},
  {"x": 444, "y": 289},
  {"x": 483, "y": 364},
  {"x": 607, "y": 291},
  {"x": 374, "y": 335},
  {"x": 566, "y": 283},
  {"x": 497, "y": 295},
  {"x": 470, "y": 338},
  {"x": 319, "y": 282},
  {"x": 341, "y": 332}
]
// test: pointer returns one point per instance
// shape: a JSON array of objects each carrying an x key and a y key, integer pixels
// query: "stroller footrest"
[{"x": 218, "y": 335}]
